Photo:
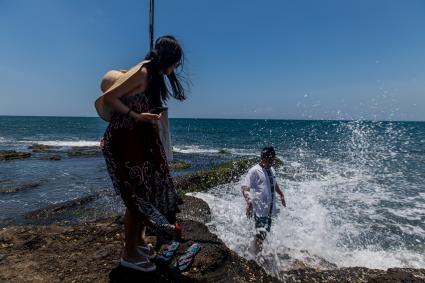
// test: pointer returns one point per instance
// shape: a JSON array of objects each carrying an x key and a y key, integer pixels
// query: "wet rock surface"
[
  {"x": 41, "y": 148},
  {"x": 356, "y": 274},
  {"x": 90, "y": 252},
  {"x": 8, "y": 187},
  {"x": 12, "y": 155},
  {"x": 221, "y": 174},
  {"x": 56, "y": 212},
  {"x": 176, "y": 165},
  {"x": 84, "y": 151},
  {"x": 54, "y": 157}
]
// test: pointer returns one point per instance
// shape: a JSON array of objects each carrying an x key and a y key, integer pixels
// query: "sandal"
[
  {"x": 146, "y": 250},
  {"x": 167, "y": 252},
  {"x": 144, "y": 265},
  {"x": 185, "y": 261}
]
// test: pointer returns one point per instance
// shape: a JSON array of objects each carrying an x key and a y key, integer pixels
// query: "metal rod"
[{"x": 151, "y": 22}]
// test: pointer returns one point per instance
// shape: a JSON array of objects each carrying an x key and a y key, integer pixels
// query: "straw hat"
[{"x": 110, "y": 81}]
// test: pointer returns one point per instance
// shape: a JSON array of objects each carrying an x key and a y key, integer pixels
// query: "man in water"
[{"x": 262, "y": 179}]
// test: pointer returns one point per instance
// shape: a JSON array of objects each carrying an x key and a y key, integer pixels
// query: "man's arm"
[
  {"x": 282, "y": 196},
  {"x": 245, "y": 192}
]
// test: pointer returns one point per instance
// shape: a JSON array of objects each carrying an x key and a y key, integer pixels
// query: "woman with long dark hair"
[{"x": 133, "y": 151}]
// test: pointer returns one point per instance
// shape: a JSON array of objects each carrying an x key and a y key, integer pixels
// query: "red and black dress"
[{"x": 138, "y": 167}]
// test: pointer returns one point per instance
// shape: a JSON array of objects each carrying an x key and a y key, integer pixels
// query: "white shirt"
[{"x": 258, "y": 180}]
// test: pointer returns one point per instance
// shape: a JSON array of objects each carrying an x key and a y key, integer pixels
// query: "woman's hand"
[{"x": 144, "y": 117}]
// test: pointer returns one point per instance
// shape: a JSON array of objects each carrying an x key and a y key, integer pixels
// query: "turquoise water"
[{"x": 355, "y": 190}]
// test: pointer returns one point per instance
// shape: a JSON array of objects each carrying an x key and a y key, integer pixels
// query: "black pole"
[{"x": 151, "y": 22}]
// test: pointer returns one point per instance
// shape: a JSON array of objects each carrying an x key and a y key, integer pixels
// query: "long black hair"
[{"x": 167, "y": 52}]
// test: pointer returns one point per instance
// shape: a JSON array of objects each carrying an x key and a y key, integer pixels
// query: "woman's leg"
[
  {"x": 131, "y": 228},
  {"x": 141, "y": 233},
  {"x": 131, "y": 257}
]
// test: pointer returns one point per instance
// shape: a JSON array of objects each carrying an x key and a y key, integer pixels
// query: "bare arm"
[
  {"x": 136, "y": 83},
  {"x": 282, "y": 196},
  {"x": 245, "y": 192}
]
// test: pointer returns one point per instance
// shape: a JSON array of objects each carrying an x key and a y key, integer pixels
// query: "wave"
[
  {"x": 59, "y": 143},
  {"x": 203, "y": 150},
  {"x": 308, "y": 230},
  {"x": 344, "y": 206},
  {"x": 193, "y": 149},
  {"x": 4, "y": 140}
]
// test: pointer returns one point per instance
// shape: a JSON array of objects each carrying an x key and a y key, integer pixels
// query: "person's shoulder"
[
  {"x": 255, "y": 167},
  {"x": 254, "y": 170}
]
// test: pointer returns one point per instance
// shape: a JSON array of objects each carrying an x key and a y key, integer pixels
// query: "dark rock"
[
  {"x": 83, "y": 151},
  {"x": 90, "y": 252},
  {"x": 51, "y": 210},
  {"x": 34, "y": 242},
  {"x": 54, "y": 157},
  {"x": 195, "y": 209},
  {"x": 12, "y": 154},
  {"x": 400, "y": 275},
  {"x": 40, "y": 148},
  {"x": 221, "y": 174},
  {"x": 176, "y": 165},
  {"x": 10, "y": 188}
]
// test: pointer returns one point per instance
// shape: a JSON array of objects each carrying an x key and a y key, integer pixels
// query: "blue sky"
[{"x": 246, "y": 59}]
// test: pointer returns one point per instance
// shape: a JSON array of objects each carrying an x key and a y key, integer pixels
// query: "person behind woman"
[{"x": 133, "y": 151}]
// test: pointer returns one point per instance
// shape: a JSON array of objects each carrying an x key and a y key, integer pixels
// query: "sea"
[{"x": 355, "y": 190}]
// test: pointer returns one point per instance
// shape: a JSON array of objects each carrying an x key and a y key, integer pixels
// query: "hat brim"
[{"x": 102, "y": 108}]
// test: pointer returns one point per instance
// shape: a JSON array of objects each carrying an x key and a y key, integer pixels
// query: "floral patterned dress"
[{"x": 138, "y": 167}]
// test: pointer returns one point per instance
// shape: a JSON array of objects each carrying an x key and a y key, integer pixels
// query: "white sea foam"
[
  {"x": 343, "y": 211},
  {"x": 194, "y": 149},
  {"x": 307, "y": 230},
  {"x": 61, "y": 143},
  {"x": 205, "y": 150}
]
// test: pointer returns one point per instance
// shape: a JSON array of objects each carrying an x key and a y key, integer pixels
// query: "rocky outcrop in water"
[
  {"x": 176, "y": 165},
  {"x": 217, "y": 175},
  {"x": 55, "y": 212},
  {"x": 8, "y": 187},
  {"x": 84, "y": 151},
  {"x": 13, "y": 154},
  {"x": 41, "y": 148}
]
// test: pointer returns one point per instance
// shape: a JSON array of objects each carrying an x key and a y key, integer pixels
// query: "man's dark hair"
[{"x": 268, "y": 152}]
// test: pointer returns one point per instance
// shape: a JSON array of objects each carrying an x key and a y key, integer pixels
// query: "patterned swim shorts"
[{"x": 262, "y": 225}]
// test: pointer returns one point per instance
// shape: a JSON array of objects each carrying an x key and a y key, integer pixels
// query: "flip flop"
[
  {"x": 185, "y": 261},
  {"x": 139, "y": 265},
  {"x": 147, "y": 251},
  {"x": 168, "y": 250}
]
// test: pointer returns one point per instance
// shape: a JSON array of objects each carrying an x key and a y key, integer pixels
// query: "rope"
[{"x": 151, "y": 22}]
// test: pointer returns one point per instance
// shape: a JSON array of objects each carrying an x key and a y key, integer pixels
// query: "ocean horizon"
[{"x": 224, "y": 118}]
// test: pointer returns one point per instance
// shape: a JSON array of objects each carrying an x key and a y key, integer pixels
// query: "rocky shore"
[
  {"x": 49, "y": 249},
  {"x": 90, "y": 252}
]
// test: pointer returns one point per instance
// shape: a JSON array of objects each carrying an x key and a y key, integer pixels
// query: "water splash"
[{"x": 354, "y": 201}]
